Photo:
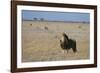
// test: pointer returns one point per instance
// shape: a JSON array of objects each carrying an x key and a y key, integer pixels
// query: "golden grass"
[{"x": 40, "y": 44}]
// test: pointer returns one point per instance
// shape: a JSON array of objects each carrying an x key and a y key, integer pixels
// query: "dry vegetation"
[{"x": 40, "y": 41}]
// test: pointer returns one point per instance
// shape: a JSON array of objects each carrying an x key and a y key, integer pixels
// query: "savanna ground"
[{"x": 41, "y": 41}]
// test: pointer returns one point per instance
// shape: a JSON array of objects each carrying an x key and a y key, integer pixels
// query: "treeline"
[{"x": 42, "y": 19}]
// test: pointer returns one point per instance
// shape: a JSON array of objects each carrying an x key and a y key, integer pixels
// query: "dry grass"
[{"x": 40, "y": 41}]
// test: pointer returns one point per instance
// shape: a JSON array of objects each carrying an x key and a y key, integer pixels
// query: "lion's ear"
[{"x": 60, "y": 41}]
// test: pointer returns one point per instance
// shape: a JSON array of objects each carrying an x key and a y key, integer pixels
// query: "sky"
[{"x": 55, "y": 16}]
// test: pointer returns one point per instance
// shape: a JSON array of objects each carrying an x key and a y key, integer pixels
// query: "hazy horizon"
[{"x": 55, "y": 16}]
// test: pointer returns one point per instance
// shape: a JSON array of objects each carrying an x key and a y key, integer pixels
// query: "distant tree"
[
  {"x": 42, "y": 19},
  {"x": 35, "y": 19}
]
